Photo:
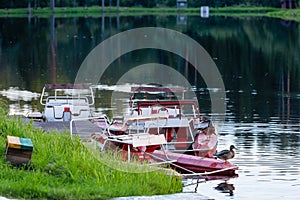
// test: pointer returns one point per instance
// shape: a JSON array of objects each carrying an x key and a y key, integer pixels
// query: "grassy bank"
[
  {"x": 97, "y": 9},
  {"x": 286, "y": 14},
  {"x": 63, "y": 168},
  {"x": 162, "y": 10},
  {"x": 129, "y": 11}
]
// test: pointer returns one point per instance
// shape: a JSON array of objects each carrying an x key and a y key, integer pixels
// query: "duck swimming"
[{"x": 226, "y": 154}]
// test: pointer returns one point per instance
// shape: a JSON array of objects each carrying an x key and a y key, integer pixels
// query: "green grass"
[
  {"x": 63, "y": 168},
  {"x": 241, "y": 9},
  {"x": 286, "y": 14},
  {"x": 96, "y": 11}
]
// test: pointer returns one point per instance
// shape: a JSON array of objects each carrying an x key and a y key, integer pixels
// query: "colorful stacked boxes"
[{"x": 18, "y": 150}]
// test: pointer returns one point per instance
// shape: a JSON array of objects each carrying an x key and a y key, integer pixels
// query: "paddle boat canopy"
[{"x": 63, "y": 102}]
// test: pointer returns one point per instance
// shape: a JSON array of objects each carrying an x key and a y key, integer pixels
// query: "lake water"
[{"x": 258, "y": 60}]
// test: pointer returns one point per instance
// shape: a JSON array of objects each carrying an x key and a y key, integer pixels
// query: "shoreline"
[{"x": 96, "y": 11}]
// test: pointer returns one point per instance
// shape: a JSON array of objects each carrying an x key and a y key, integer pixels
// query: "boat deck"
[{"x": 83, "y": 129}]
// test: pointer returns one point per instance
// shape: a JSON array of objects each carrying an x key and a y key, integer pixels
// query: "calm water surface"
[{"x": 258, "y": 59}]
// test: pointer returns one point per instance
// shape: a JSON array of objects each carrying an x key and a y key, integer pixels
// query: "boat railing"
[
  {"x": 175, "y": 108},
  {"x": 146, "y": 117},
  {"x": 74, "y": 92},
  {"x": 62, "y": 100},
  {"x": 159, "y": 124},
  {"x": 138, "y": 140},
  {"x": 62, "y": 112},
  {"x": 137, "y": 143},
  {"x": 143, "y": 123},
  {"x": 135, "y": 140},
  {"x": 168, "y": 160},
  {"x": 182, "y": 129}
]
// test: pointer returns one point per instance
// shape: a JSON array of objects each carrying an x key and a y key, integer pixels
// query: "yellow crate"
[{"x": 13, "y": 142}]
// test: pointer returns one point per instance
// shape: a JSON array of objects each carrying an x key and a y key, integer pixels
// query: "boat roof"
[
  {"x": 67, "y": 86},
  {"x": 148, "y": 89}
]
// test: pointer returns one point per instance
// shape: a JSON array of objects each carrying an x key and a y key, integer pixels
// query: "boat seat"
[
  {"x": 58, "y": 112},
  {"x": 35, "y": 115},
  {"x": 156, "y": 131},
  {"x": 52, "y": 101},
  {"x": 154, "y": 111},
  {"x": 80, "y": 111},
  {"x": 182, "y": 138},
  {"x": 153, "y": 131}
]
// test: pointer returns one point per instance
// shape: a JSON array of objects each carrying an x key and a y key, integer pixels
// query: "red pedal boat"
[{"x": 166, "y": 130}]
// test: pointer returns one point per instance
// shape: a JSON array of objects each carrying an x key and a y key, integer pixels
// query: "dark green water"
[{"x": 258, "y": 59}]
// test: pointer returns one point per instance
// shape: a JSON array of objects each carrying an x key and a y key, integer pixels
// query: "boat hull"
[{"x": 196, "y": 164}]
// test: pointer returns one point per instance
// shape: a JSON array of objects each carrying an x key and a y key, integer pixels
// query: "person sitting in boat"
[{"x": 205, "y": 143}]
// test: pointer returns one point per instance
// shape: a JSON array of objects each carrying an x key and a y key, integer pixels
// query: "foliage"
[
  {"x": 131, "y": 10},
  {"x": 63, "y": 168},
  {"x": 287, "y": 14},
  {"x": 141, "y": 3}
]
